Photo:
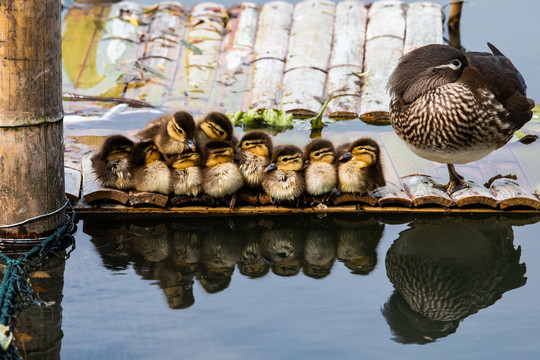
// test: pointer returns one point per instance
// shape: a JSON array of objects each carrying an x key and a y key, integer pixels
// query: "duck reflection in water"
[
  {"x": 443, "y": 272},
  {"x": 319, "y": 253},
  {"x": 282, "y": 247},
  {"x": 358, "y": 239}
]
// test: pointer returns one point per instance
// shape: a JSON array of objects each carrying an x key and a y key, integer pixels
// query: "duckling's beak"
[
  {"x": 270, "y": 167},
  {"x": 345, "y": 156},
  {"x": 191, "y": 144}
]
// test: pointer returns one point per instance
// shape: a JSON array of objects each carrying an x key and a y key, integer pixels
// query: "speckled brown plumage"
[
  {"x": 284, "y": 178},
  {"x": 255, "y": 153},
  {"x": 454, "y": 107}
]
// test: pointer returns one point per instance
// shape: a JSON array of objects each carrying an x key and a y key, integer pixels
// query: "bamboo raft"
[{"x": 276, "y": 56}]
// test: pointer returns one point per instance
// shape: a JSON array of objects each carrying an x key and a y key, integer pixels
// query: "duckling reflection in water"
[
  {"x": 319, "y": 253},
  {"x": 284, "y": 178},
  {"x": 321, "y": 172},
  {"x": 112, "y": 165},
  {"x": 221, "y": 251},
  {"x": 358, "y": 239},
  {"x": 283, "y": 248},
  {"x": 255, "y": 153},
  {"x": 252, "y": 262},
  {"x": 221, "y": 176},
  {"x": 177, "y": 285},
  {"x": 150, "y": 173},
  {"x": 360, "y": 169},
  {"x": 443, "y": 272},
  {"x": 214, "y": 126},
  {"x": 172, "y": 134}
]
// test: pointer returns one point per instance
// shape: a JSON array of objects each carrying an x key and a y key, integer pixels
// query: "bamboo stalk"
[
  {"x": 454, "y": 20},
  {"x": 424, "y": 25}
]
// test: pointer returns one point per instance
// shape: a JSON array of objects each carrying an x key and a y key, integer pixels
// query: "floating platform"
[{"x": 276, "y": 56}]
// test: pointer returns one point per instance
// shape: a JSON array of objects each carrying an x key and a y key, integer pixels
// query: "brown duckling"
[
  {"x": 255, "y": 154},
  {"x": 214, "y": 126},
  {"x": 221, "y": 176},
  {"x": 173, "y": 134},
  {"x": 186, "y": 173},
  {"x": 111, "y": 164},
  {"x": 321, "y": 172},
  {"x": 150, "y": 173},
  {"x": 360, "y": 169},
  {"x": 284, "y": 178}
]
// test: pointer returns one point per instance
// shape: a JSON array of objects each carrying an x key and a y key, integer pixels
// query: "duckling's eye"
[
  {"x": 221, "y": 132},
  {"x": 360, "y": 148},
  {"x": 247, "y": 143},
  {"x": 456, "y": 64},
  {"x": 317, "y": 154}
]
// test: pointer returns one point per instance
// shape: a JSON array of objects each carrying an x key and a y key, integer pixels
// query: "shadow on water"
[{"x": 444, "y": 271}]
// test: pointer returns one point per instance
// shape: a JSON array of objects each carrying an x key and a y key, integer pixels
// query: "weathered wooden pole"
[
  {"x": 31, "y": 114},
  {"x": 453, "y": 24}
]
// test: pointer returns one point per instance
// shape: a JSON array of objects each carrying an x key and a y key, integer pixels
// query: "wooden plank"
[
  {"x": 73, "y": 181},
  {"x": 161, "y": 54},
  {"x": 267, "y": 75},
  {"x": 195, "y": 76},
  {"x": 384, "y": 45},
  {"x": 235, "y": 61},
  {"x": 424, "y": 25},
  {"x": 308, "y": 54},
  {"x": 273, "y": 31},
  {"x": 422, "y": 192},
  {"x": 354, "y": 198},
  {"x": 92, "y": 189},
  {"x": 117, "y": 51},
  {"x": 147, "y": 198},
  {"x": 475, "y": 194},
  {"x": 510, "y": 193},
  {"x": 347, "y": 59}
]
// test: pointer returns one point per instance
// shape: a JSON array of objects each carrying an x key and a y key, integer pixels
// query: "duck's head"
[
  {"x": 287, "y": 158},
  {"x": 181, "y": 127},
  {"x": 320, "y": 150},
  {"x": 145, "y": 153},
  {"x": 184, "y": 160},
  {"x": 218, "y": 152},
  {"x": 116, "y": 147},
  {"x": 217, "y": 126},
  {"x": 257, "y": 142},
  {"x": 365, "y": 151}
]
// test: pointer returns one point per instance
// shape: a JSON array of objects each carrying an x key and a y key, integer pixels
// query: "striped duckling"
[
  {"x": 284, "y": 178},
  {"x": 150, "y": 172},
  {"x": 186, "y": 173},
  {"x": 111, "y": 164},
  {"x": 255, "y": 153},
  {"x": 321, "y": 171}
]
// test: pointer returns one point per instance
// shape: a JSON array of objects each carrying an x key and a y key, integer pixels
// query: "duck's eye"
[
  {"x": 247, "y": 143},
  {"x": 317, "y": 154},
  {"x": 456, "y": 63},
  {"x": 221, "y": 132}
]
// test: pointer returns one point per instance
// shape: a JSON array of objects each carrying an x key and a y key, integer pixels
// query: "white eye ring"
[{"x": 455, "y": 64}]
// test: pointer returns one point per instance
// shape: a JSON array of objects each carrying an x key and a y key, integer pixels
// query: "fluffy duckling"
[
  {"x": 284, "y": 180},
  {"x": 214, "y": 126},
  {"x": 173, "y": 134},
  {"x": 221, "y": 176},
  {"x": 321, "y": 173},
  {"x": 186, "y": 174},
  {"x": 360, "y": 169},
  {"x": 150, "y": 173},
  {"x": 111, "y": 164},
  {"x": 255, "y": 154}
]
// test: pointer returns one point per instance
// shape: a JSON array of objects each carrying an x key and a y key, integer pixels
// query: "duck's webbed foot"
[{"x": 456, "y": 182}]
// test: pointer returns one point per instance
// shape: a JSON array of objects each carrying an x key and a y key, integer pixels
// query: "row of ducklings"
[{"x": 178, "y": 157}]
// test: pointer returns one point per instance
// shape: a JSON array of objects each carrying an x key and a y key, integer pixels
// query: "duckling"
[
  {"x": 255, "y": 154},
  {"x": 214, "y": 126},
  {"x": 111, "y": 164},
  {"x": 186, "y": 173},
  {"x": 150, "y": 173},
  {"x": 173, "y": 134},
  {"x": 360, "y": 169},
  {"x": 321, "y": 173},
  {"x": 284, "y": 178},
  {"x": 221, "y": 176}
]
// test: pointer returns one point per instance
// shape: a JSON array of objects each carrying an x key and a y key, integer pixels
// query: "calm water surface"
[
  {"x": 306, "y": 288},
  {"x": 303, "y": 288}
]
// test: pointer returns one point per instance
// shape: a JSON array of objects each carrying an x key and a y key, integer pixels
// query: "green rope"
[{"x": 15, "y": 281}]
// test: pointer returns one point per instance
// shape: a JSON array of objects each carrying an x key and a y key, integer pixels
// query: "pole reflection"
[{"x": 444, "y": 270}]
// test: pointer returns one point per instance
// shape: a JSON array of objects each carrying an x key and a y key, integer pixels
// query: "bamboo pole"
[
  {"x": 453, "y": 24},
  {"x": 31, "y": 114}
]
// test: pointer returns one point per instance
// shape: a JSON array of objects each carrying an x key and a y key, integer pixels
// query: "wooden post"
[
  {"x": 453, "y": 24},
  {"x": 31, "y": 114}
]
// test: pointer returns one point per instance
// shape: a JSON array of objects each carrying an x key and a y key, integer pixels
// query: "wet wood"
[
  {"x": 270, "y": 50},
  {"x": 344, "y": 83},
  {"x": 354, "y": 198},
  {"x": 159, "y": 53},
  {"x": 307, "y": 59},
  {"x": 195, "y": 77},
  {"x": 510, "y": 193},
  {"x": 423, "y": 193},
  {"x": 424, "y": 25},
  {"x": 527, "y": 157},
  {"x": 384, "y": 45},
  {"x": 73, "y": 180},
  {"x": 232, "y": 92},
  {"x": 93, "y": 191},
  {"x": 474, "y": 195},
  {"x": 31, "y": 130},
  {"x": 147, "y": 198}
]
